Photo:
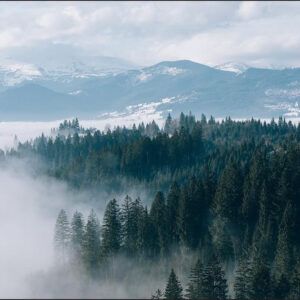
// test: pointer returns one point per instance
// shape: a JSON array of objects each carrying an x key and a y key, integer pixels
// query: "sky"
[{"x": 261, "y": 34}]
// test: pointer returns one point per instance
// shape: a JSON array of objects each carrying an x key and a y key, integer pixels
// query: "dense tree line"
[
  {"x": 156, "y": 157},
  {"x": 238, "y": 218},
  {"x": 228, "y": 191}
]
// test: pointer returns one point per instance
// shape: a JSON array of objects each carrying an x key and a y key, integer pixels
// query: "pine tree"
[
  {"x": 77, "y": 233},
  {"x": 242, "y": 280},
  {"x": 148, "y": 242},
  {"x": 173, "y": 288},
  {"x": 168, "y": 125},
  {"x": 91, "y": 243},
  {"x": 191, "y": 211},
  {"x": 111, "y": 229},
  {"x": 252, "y": 188},
  {"x": 158, "y": 217},
  {"x": 295, "y": 282},
  {"x": 261, "y": 281},
  {"x": 221, "y": 238},
  {"x": 228, "y": 195},
  {"x": 62, "y": 235},
  {"x": 157, "y": 295},
  {"x": 195, "y": 285},
  {"x": 128, "y": 228},
  {"x": 173, "y": 214},
  {"x": 283, "y": 258},
  {"x": 282, "y": 288},
  {"x": 214, "y": 282},
  {"x": 131, "y": 212},
  {"x": 226, "y": 206}
]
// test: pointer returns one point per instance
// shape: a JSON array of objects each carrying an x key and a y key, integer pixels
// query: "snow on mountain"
[
  {"x": 12, "y": 73},
  {"x": 238, "y": 68},
  {"x": 148, "y": 73}
]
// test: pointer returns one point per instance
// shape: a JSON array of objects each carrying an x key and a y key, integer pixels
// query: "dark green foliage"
[
  {"x": 172, "y": 214},
  {"x": 237, "y": 189},
  {"x": 261, "y": 280},
  {"x": 214, "y": 281},
  {"x": 173, "y": 289},
  {"x": 191, "y": 213},
  {"x": 131, "y": 212},
  {"x": 91, "y": 243},
  {"x": 111, "y": 229},
  {"x": 243, "y": 279},
  {"x": 148, "y": 240},
  {"x": 283, "y": 259},
  {"x": 295, "y": 282},
  {"x": 159, "y": 217},
  {"x": 77, "y": 233},
  {"x": 196, "y": 282},
  {"x": 281, "y": 288}
]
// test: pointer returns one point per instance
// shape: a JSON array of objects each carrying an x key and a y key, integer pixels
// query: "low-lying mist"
[{"x": 29, "y": 207}]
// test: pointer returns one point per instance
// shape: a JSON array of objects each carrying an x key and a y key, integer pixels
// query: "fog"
[
  {"x": 25, "y": 131},
  {"x": 28, "y": 209}
]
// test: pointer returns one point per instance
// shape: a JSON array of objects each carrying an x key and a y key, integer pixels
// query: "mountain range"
[{"x": 101, "y": 87}]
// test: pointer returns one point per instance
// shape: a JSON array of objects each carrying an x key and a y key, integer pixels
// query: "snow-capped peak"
[{"x": 238, "y": 68}]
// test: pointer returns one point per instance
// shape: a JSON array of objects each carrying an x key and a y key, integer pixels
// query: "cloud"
[{"x": 147, "y": 32}]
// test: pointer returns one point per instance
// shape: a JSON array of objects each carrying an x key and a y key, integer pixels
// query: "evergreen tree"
[
  {"x": 243, "y": 278},
  {"x": 77, "y": 233},
  {"x": 252, "y": 188},
  {"x": 130, "y": 213},
  {"x": 191, "y": 211},
  {"x": 295, "y": 282},
  {"x": 148, "y": 242},
  {"x": 91, "y": 243},
  {"x": 62, "y": 235},
  {"x": 158, "y": 217},
  {"x": 168, "y": 125},
  {"x": 281, "y": 288},
  {"x": 214, "y": 282},
  {"x": 229, "y": 194},
  {"x": 173, "y": 214},
  {"x": 226, "y": 206},
  {"x": 221, "y": 238},
  {"x": 173, "y": 288},
  {"x": 111, "y": 229},
  {"x": 283, "y": 258},
  {"x": 195, "y": 285},
  {"x": 261, "y": 281},
  {"x": 157, "y": 295}
]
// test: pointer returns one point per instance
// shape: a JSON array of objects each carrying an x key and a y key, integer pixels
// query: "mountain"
[{"x": 88, "y": 92}]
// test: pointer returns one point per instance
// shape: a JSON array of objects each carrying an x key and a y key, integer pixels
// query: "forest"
[{"x": 222, "y": 205}]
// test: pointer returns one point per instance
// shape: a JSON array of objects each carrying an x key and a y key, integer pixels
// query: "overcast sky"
[{"x": 257, "y": 33}]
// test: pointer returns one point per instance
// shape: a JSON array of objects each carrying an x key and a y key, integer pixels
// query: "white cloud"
[
  {"x": 262, "y": 33},
  {"x": 250, "y": 9}
]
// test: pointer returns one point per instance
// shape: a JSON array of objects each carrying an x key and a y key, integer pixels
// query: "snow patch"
[
  {"x": 237, "y": 68},
  {"x": 14, "y": 73},
  {"x": 172, "y": 71},
  {"x": 75, "y": 92},
  {"x": 286, "y": 93},
  {"x": 143, "y": 76},
  {"x": 292, "y": 109}
]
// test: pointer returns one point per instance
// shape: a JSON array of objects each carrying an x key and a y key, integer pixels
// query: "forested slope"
[{"x": 226, "y": 192}]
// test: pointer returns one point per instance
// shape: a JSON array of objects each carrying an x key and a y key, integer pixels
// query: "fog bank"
[{"x": 28, "y": 210}]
